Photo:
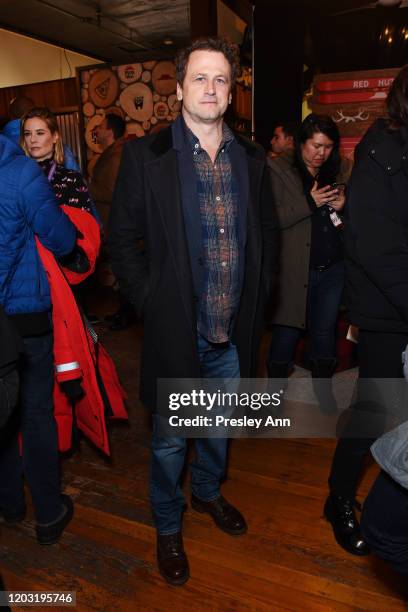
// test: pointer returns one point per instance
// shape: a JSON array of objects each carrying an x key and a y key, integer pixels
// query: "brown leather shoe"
[
  {"x": 171, "y": 559},
  {"x": 225, "y": 516}
]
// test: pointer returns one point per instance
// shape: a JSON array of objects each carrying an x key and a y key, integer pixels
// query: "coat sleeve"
[
  {"x": 380, "y": 239},
  {"x": 104, "y": 179},
  {"x": 49, "y": 223},
  {"x": 291, "y": 204},
  {"x": 270, "y": 234},
  {"x": 126, "y": 228}
]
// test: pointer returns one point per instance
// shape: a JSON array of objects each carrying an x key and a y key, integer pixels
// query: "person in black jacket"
[{"x": 376, "y": 241}]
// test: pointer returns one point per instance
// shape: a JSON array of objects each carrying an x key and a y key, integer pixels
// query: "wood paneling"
[{"x": 57, "y": 95}]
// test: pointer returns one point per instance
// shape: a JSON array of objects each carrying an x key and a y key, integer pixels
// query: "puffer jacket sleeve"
[{"x": 49, "y": 223}]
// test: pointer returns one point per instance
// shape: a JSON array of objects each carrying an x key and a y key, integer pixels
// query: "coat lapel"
[{"x": 164, "y": 181}]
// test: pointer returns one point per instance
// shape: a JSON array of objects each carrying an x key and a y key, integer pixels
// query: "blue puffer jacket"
[
  {"x": 12, "y": 131},
  {"x": 27, "y": 208}
]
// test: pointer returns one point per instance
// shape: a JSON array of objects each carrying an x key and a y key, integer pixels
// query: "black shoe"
[
  {"x": 225, "y": 516},
  {"x": 51, "y": 533},
  {"x": 339, "y": 511},
  {"x": 171, "y": 559},
  {"x": 15, "y": 516},
  {"x": 322, "y": 374}
]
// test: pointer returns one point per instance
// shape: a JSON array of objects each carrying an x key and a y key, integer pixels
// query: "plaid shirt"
[{"x": 218, "y": 200}]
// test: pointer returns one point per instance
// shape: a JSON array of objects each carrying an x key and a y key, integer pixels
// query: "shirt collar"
[{"x": 227, "y": 137}]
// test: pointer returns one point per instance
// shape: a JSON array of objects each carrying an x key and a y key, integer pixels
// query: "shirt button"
[
  {"x": 222, "y": 230},
  {"x": 196, "y": 145},
  {"x": 222, "y": 150},
  {"x": 195, "y": 152},
  {"x": 218, "y": 198},
  {"x": 223, "y": 295},
  {"x": 223, "y": 263}
]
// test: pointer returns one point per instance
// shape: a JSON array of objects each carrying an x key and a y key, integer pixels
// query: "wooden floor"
[{"x": 288, "y": 560}]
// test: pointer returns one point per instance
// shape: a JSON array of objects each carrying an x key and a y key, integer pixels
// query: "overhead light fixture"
[{"x": 168, "y": 42}]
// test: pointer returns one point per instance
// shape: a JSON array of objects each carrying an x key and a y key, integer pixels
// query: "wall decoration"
[
  {"x": 142, "y": 93},
  {"x": 164, "y": 78},
  {"x": 103, "y": 87},
  {"x": 129, "y": 73},
  {"x": 354, "y": 100},
  {"x": 137, "y": 101}
]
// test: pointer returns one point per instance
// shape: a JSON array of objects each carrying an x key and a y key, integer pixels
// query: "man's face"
[
  {"x": 206, "y": 90},
  {"x": 280, "y": 142},
  {"x": 104, "y": 134}
]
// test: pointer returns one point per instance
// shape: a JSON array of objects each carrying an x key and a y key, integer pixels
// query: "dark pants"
[
  {"x": 323, "y": 302},
  {"x": 384, "y": 522},
  {"x": 168, "y": 454},
  {"x": 379, "y": 358},
  {"x": 34, "y": 417}
]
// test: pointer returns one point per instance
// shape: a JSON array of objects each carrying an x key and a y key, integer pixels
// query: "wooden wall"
[{"x": 57, "y": 95}]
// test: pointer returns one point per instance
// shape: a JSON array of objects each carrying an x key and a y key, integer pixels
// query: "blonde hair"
[{"x": 50, "y": 119}]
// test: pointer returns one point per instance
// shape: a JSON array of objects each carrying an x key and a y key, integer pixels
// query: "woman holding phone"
[{"x": 308, "y": 185}]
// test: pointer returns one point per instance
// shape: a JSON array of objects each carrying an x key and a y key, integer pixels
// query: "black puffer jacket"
[{"x": 376, "y": 231}]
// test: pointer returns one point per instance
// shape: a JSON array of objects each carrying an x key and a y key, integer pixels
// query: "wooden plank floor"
[{"x": 287, "y": 561}]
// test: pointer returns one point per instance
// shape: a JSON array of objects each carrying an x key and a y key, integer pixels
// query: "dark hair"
[
  {"x": 318, "y": 124},
  {"x": 44, "y": 113},
  {"x": 221, "y": 45},
  {"x": 116, "y": 124},
  {"x": 289, "y": 128},
  {"x": 397, "y": 99}
]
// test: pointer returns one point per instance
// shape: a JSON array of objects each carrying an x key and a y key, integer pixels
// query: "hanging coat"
[{"x": 76, "y": 355}]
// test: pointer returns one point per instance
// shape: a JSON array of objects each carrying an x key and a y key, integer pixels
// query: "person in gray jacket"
[{"x": 311, "y": 259}]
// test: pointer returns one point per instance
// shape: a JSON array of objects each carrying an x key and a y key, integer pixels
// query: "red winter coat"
[{"x": 76, "y": 356}]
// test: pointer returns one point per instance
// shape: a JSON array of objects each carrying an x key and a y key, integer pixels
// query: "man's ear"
[{"x": 179, "y": 92}]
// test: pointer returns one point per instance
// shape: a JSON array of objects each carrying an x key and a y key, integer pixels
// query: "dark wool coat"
[
  {"x": 151, "y": 256},
  {"x": 376, "y": 231},
  {"x": 294, "y": 215}
]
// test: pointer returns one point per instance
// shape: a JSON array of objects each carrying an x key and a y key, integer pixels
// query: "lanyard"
[{"x": 51, "y": 173}]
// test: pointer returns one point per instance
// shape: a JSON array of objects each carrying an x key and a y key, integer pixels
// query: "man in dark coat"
[{"x": 193, "y": 243}]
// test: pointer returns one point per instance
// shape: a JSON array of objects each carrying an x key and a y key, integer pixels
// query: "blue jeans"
[
  {"x": 34, "y": 417},
  {"x": 323, "y": 302},
  {"x": 168, "y": 454}
]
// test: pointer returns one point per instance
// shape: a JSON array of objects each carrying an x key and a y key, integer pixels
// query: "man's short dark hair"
[
  {"x": 289, "y": 128},
  {"x": 116, "y": 124},
  {"x": 221, "y": 45}
]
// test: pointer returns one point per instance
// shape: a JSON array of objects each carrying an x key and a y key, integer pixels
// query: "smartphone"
[{"x": 341, "y": 187}]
